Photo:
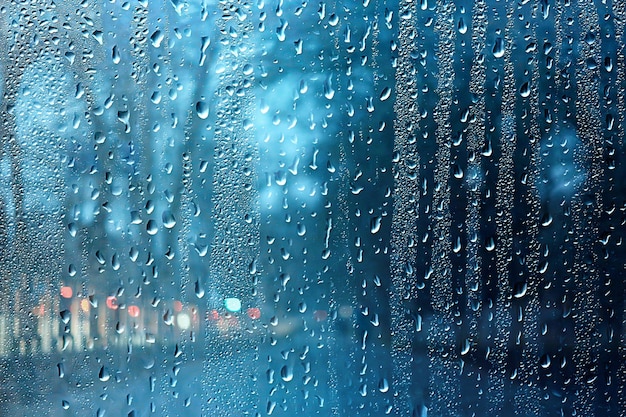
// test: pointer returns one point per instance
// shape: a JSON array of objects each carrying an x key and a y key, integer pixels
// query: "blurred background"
[{"x": 409, "y": 208}]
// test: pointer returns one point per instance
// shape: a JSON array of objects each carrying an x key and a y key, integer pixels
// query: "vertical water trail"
[
  {"x": 610, "y": 297},
  {"x": 19, "y": 55},
  {"x": 549, "y": 238},
  {"x": 502, "y": 242},
  {"x": 474, "y": 181},
  {"x": 586, "y": 210},
  {"x": 619, "y": 16},
  {"x": 559, "y": 201},
  {"x": 527, "y": 291},
  {"x": 442, "y": 346},
  {"x": 330, "y": 68},
  {"x": 235, "y": 216},
  {"x": 363, "y": 141},
  {"x": 406, "y": 195}
]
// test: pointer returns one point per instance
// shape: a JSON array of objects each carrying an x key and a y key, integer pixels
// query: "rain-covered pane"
[{"x": 332, "y": 208}]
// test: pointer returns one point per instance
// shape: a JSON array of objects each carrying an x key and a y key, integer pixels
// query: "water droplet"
[
  {"x": 465, "y": 347},
  {"x": 115, "y": 262},
  {"x": 168, "y": 219},
  {"x": 375, "y": 224},
  {"x": 271, "y": 405},
  {"x": 385, "y": 94},
  {"x": 280, "y": 31},
  {"x": 525, "y": 90},
  {"x": 383, "y": 385},
  {"x": 156, "y": 38},
  {"x": 152, "y": 228},
  {"x": 286, "y": 373},
  {"x": 104, "y": 374},
  {"x": 462, "y": 26},
  {"x": 65, "y": 316},
  {"x": 546, "y": 220},
  {"x": 608, "y": 64},
  {"x": 115, "y": 55},
  {"x": 198, "y": 289},
  {"x": 202, "y": 109},
  {"x": 457, "y": 171},
  {"x": 329, "y": 92},
  {"x": 498, "y": 48},
  {"x": 520, "y": 289}
]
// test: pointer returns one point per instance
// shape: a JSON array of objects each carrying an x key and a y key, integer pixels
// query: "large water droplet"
[
  {"x": 168, "y": 219},
  {"x": 525, "y": 90},
  {"x": 286, "y": 373},
  {"x": 498, "y": 48},
  {"x": 151, "y": 227},
  {"x": 375, "y": 224},
  {"x": 202, "y": 109},
  {"x": 385, "y": 94},
  {"x": 104, "y": 375}
]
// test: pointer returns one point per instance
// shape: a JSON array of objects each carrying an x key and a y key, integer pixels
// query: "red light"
[
  {"x": 39, "y": 311},
  {"x": 112, "y": 302},
  {"x": 178, "y": 306},
  {"x": 254, "y": 313},
  {"x": 66, "y": 292},
  {"x": 133, "y": 311},
  {"x": 213, "y": 315}
]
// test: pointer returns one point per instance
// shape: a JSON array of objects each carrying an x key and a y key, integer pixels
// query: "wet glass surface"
[{"x": 214, "y": 208}]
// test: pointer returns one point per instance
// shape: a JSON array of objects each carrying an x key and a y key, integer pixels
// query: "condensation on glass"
[{"x": 410, "y": 208}]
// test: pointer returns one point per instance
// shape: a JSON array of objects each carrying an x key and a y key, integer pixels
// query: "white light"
[
  {"x": 232, "y": 304},
  {"x": 183, "y": 321}
]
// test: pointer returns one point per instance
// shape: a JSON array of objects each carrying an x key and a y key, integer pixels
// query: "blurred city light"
[
  {"x": 133, "y": 311},
  {"x": 232, "y": 304},
  {"x": 254, "y": 313},
  {"x": 112, "y": 302},
  {"x": 66, "y": 292}
]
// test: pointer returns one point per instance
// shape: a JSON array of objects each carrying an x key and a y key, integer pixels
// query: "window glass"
[{"x": 335, "y": 208}]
